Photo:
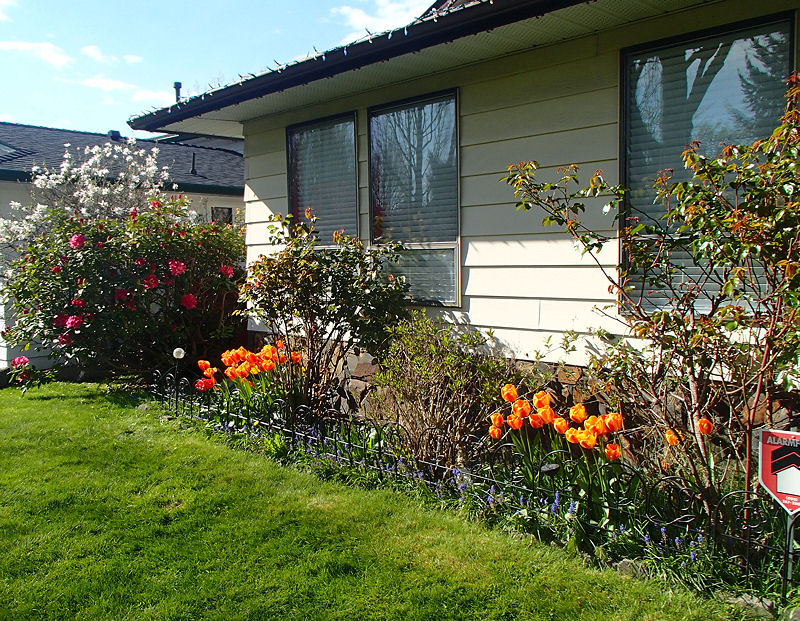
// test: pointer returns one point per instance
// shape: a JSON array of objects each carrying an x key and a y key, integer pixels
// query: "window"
[
  {"x": 413, "y": 165},
  {"x": 723, "y": 88},
  {"x": 222, "y": 215},
  {"x": 322, "y": 174}
]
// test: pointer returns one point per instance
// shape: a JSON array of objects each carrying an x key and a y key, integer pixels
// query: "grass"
[{"x": 105, "y": 512}]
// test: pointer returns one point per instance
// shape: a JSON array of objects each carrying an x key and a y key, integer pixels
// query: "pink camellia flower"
[
  {"x": 60, "y": 320},
  {"x": 176, "y": 268},
  {"x": 77, "y": 241},
  {"x": 78, "y": 303},
  {"x": 188, "y": 301},
  {"x": 134, "y": 213},
  {"x": 19, "y": 361},
  {"x": 99, "y": 245},
  {"x": 226, "y": 270},
  {"x": 120, "y": 295},
  {"x": 139, "y": 261},
  {"x": 150, "y": 281},
  {"x": 64, "y": 339},
  {"x": 74, "y": 321},
  {"x": 89, "y": 316},
  {"x": 155, "y": 204},
  {"x": 56, "y": 269}
]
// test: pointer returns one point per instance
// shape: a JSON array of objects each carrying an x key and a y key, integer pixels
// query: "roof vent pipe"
[
  {"x": 193, "y": 171},
  {"x": 114, "y": 135},
  {"x": 177, "y": 87}
]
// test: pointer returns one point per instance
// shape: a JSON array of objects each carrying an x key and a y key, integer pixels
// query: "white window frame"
[{"x": 454, "y": 245}]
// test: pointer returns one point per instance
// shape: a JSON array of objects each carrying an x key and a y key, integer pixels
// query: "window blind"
[
  {"x": 728, "y": 88},
  {"x": 322, "y": 175}
]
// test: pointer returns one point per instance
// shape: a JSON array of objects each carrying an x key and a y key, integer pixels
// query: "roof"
[
  {"x": 217, "y": 170},
  {"x": 452, "y": 33}
]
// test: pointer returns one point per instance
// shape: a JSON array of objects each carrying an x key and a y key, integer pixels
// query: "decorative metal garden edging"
[{"x": 748, "y": 529}]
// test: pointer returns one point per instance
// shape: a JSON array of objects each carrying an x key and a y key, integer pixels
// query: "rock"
[
  {"x": 628, "y": 567},
  {"x": 758, "y": 607},
  {"x": 143, "y": 406},
  {"x": 569, "y": 374},
  {"x": 791, "y": 614}
]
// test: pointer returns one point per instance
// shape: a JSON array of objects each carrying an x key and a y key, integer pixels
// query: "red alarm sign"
[{"x": 779, "y": 467}]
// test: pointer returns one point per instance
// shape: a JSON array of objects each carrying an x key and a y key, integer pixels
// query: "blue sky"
[{"x": 90, "y": 64}]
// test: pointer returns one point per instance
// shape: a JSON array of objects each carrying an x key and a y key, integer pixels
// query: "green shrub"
[
  {"x": 327, "y": 303},
  {"x": 441, "y": 382},
  {"x": 709, "y": 365}
]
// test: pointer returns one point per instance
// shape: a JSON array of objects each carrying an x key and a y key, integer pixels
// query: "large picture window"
[
  {"x": 723, "y": 88},
  {"x": 322, "y": 174},
  {"x": 413, "y": 166}
]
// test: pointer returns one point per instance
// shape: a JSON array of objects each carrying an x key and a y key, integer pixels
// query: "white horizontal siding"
[{"x": 557, "y": 104}]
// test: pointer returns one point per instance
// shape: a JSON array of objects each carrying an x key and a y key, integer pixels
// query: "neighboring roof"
[
  {"x": 217, "y": 170},
  {"x": 459, "y": 31},
  {"x": 197, "y": 140}
]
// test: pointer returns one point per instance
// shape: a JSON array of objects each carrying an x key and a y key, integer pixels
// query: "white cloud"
[
  {"x": 5, "y": 4},
  {"x": 387, "y": 14},
  {"x": 49, "y": 53},
  {"x": 106, "y": 84},
  {"x": 93, "y": 52},
  {"x": 132, "y": 59},
  {"x": 6, "y": 118},
  {"x": 155, "y": 98}
]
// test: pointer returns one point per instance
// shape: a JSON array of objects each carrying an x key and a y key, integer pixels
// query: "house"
[
  {"x": 212, "y": 177},
  {"x": 406, "y": 134}
]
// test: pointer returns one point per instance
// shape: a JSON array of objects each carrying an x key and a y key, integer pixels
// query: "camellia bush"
[
  {"x": 325, "y": 303},
  {"x": 696, "y": 375},
  {"x": 120, "y": 295}
]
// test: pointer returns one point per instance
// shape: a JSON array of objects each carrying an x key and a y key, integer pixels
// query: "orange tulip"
[
  {"x": 560, "y": 424},
  {"x": 572, "y": 435},
  {"x": 227, "y": 358},
  {"x": 296, "y": 357},
  {"x": 251, "y": 357},
  {"x": 673, "y": 438},
  {"x": 230, "y": 373},
  {"x": 536, "y": 421},
  {"x": 547, "y": 414},
  {"x": 282, "y": 358},
  {"x": 497, "y": 419},
  {"x": 613, "y": 452},
  {"x": 522, "y": 407},
  {"x": 596, "y": 425},
  {"x": 613, "y": 422},
  {"x": 209, "y": 372},
  {"x": 541, "y": 400},
  {"x": 203, "y": 364},
  {"x": 588, "y": 439},
  {"x": 279, "y": 344},
  {"x": 267, "y": 365},
  {"x": 578, "y": 413},
  {"x": 705, "y": 426},
  {"x": 495, "y": 432},
  {"x": 515, "y": 421},
  {"x": 509, "y": 392}
]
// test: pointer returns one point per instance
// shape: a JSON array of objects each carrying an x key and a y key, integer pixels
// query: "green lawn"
[{"x": 107, "y": 513}]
